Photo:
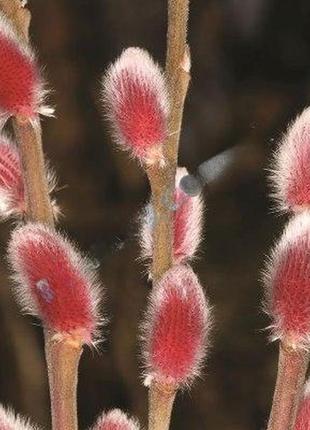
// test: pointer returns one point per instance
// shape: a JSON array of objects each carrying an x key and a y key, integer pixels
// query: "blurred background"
[{"x": 250, "y": 76}]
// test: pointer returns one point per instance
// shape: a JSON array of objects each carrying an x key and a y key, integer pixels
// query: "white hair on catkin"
[
  {"x": 11, "y": 421},
  {"x": 297, "y": 228},
  {"x": 42, "y": 234},
  {"x": 136, "y": 66},
  {"x": 40, "y": 92},
  {"x": 182, "y": 280},
  {"x": 189, "y": 243},
  {"x": 289, "y": 175},
  {"x": 109, "y": 420}
]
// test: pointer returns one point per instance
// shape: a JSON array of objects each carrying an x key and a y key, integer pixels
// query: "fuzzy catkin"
[
  {"x": 21, "y": 86},
  {"x": 136, "y": 103},
  {"x": 176, "y": 328},
  {"x": 290, "y": 174},
  {"x": 115, "y": 420},
  {"x": 54, "y": 282},
  {"x": 10, "y": 421},
  {"x": 287, "y": 283}
]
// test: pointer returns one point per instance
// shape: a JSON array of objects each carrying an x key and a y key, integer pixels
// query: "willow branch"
[
  {"x": 161, "y": 399},
  {"x": 62, "y": 356},
  {"x": 177, "y": 71},
  {"x": 63, "y": 362},
  {"x": 289, "y": 387},
  {"x": 162, "y": 181},
  {"x": 38, "y": 205}
]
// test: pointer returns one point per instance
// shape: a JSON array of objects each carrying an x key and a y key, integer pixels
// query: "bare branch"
[
  {"x": 63, "y": 361},
  {"x": 292, "y": 369},
  {"x": 38, "y": 205},
  {"x": 162, "y": 181},
  {"x": 161, "y": 401},
  {"x": 62, "y": 356}
]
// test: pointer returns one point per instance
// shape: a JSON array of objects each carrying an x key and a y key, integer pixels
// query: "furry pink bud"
[
  {"x": 12, "y": 199},
  {"x": 287, "y": 282},
  {"x": 176, "y": 328},
  {"x": 10, "y": 421},
  {"x": 21, "y": 88},
  {"x": 115, "y": 420},
  {"x": 187, "y": 224},
  {"x": 54, "y": 281},
  {"x": 136, "y": 102},
  {"x": 291, "y": 174},
  {"x": 303, "y": 415},
  {"x": 12, "y": 192}
]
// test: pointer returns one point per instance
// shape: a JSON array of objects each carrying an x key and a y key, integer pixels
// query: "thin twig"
[
  {"x": 62, "y": 356},
  {"x": 177, "y": 71},
  {"x": 161, "y": 401},
  {"x": 38, "y": 205},
  {"x": 162, "y": 181},
  {"x": 289, "y": 386},
  {"x": 63, "y": 362}
]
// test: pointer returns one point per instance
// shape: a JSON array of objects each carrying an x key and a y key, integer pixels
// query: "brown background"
[{"x": 250, "y": 75}]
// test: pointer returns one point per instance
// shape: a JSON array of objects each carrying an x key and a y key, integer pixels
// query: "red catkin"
[
  {"x": 287, "y": 281},
  {"x": 21, "y": 87},
  {"x": 290, "y": 171},
  {"x": 12, "y": 198},
  {"x": 136, "y": 104},
  {"x": 176, "y": 328},
  {"x": 54, "y": 282},
  {"x": 10, "y": 421},
  {"x": 115, "y": 420}
]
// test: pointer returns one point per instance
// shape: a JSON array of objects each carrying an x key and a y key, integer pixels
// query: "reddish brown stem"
[
  {"x": 161, "y": 399},
  {"x": 38, "y": 206},
  {"x": 63, "y": 358},
  {"x": 292, "y": 369},
  {"x": 178, "y": 11},
  {"x": 162, "y": 180},
  {"x": 177, "y": 71}
]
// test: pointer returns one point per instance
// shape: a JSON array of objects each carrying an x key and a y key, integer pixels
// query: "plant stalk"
[
  {"x": 162, "y": 178},
  {"x": 292, "y": 370},
  {"x": 38, "y": 205},
  {"x": 161, "y": 399},
  {"x": 62, "y": 357},
  {"x": 162, "y": 181}
]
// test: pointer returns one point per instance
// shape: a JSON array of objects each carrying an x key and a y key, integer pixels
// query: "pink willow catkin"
[
  {"x": 176, "y": 329},
  {"x": 115, "y": 420},
  {"x": 287, "y": 282},
  {"x": 21, "y": 86},
  {"x": 135, "y": 100},
  {"x": 12, "y": 189},
  {"x": 290, "y": 171},
  {"x": 187, "y": 224},
  {"x": 54, "y": 282},
  {"x": 10, "y": 421}
]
